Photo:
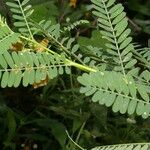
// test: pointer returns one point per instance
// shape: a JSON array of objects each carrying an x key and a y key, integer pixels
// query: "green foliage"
[
  {"x": 21, "y": 12},
  {"x": 125, "y": 147},
  {"x": 52, "y": 31},
  {"x": 111, "y": 89},
  {"x": 118, "y": 76},
  {"x": 29, "y": 67},
  {"x": 47, "y": 9},
  {"x": 75, "y": 24},
  {"x": 112, "y": 19},
  {"x": 141, "y": 11},
  {"x": 96, "y": 40},
  {"x": 7, "y": 36}
]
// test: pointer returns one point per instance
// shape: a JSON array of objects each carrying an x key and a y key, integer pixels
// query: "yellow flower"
[{"x": 73, "y": 3}]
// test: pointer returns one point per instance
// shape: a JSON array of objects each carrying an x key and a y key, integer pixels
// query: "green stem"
[
  {"x": 57, "y": 44},
  {"x": 74, "y": 142},
  {"x": 67, "y": 61},
  {"x": 80, "y": 131}
]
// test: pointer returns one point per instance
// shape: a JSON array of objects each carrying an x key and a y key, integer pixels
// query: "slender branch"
[
  {"x": 58, "y": 44},
  {"x": 81, "y": 129},
  {"x": 67, "y": 61},
  {"x": 74, "y": 142}
]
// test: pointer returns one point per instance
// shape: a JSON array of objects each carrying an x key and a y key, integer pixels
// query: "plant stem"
[
  {"x": 74, "y": 142},
  {"x": 80, "y": 131},
  {"x": 67, "y": 61}
]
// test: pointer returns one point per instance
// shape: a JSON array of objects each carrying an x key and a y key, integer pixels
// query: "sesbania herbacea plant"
[{"x": 120, "y": 79}]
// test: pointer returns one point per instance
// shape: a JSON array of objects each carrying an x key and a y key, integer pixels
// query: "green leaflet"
[
  {"x": 7, "y": 36},
  {"x": 21, "y": 13},
  {"x": 4, "y": 80},
  {"x": 8, "y": 59},
  {"x": 144, "y": 91},
  {"x": 75, "y": 24},
  {"x": 136, "y": 146},
  {"x": 111, "y": 89},
  {"x": 110, "y": 3},
  {"x": 29, "y": 68},
  {"x": 132, "y": 107},
  {"x": 25, "y": 2},
  {"x": 146, "y": 75},
  {"x": 113, "y": 23},
  {"x": 12, "y": 77}
]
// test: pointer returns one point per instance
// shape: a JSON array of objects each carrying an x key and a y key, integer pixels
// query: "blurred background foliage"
[{"x": 38, "y": 118}]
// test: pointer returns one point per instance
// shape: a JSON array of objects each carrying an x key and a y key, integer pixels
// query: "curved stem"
[
  {"x": 57, "y": 43},
  {"x": 74, "y": 142},
  {"x": 67, "y": 61}
]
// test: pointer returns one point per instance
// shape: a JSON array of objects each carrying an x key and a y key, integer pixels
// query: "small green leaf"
[
  {"x": 99, "y": 9},
  {"x": 97, "y": 96},
  {"x": 140, "y": 108},
  {"x": 18, "y": 79},
  {"x": 100, "y": 15},
  {"x": 9, "y": 59},
  {"x": 61, "y": 70},
  {"x": 67, "y": 70},
  {"x": 19, "y": 24},
  {"x": 90, "y": 92},
  {"x": 124, "y": 35},
  {"x": 146, "y": 112},
  {"x": 146, "y": 75},
  {"x": 129, "y": 48},
  {"x": 75, "y": 48},
  {"x": 115, "y": 8},
  {"x": 32, "y": 76},
  {"x": 131, "y": 63},
  {"x": 117, "y": 12},
  {"x": 38, "y": 76},
  {"x": 69, "y": 43},
  {"x": 85, "y": 89},
  {"x": 16, "y": 59},
  {"x": 121, "y": 26},
  {"x": 124, "y": 105},
  {"x": 127, "y": 57},
  {"x": 110, "y": 3},
  {"x": 119, "y": 18},
  {"x": 29, "y": 13},
  {"x": 132, "y": 107},
  {"x": 3, "y": 62},
  {"x": 54, "y": 72},
  {"x": 12, "y": 4},
  {"x": 117, "y": 104},
  {"x": 24, "y": 2},
  {"x": 35, "y": 59},
  {"x": 12, "y": 78},
  {"x": 132, "y": 86},
  {"x": 125, "y": 43},
  {"x": 143, "y": 92},
  {"x": 26, "y": 77},
  {"x": 16, "y": 11},
  {"x": 4, "y": 80},
  {"x": 18, "y": 17},
  {"x": 27, "y": 8}
]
